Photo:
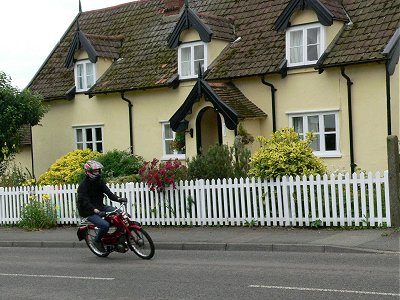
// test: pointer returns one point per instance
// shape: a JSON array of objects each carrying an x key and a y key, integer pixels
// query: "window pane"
[
  {"x": 79, "y": 146},
  {"x": 312, "y": 53},
  {"x": 313, "y": 42},
  {"x": 298, "y": 124},
  {"x": 196, "y": 66},
  {"x": 79, "y": 76},
  {"x": 99, "y": 147},
  {"x": 168, "y": 148},
  {"x": 89, "y": 136},
  {"x": 315, "y": 145},
  {"x": 168, "y": 135},
  {"x": 89, "y": 75},
  {"x": 98, "y": 134},
  {"x": 79, "y": 137},
  {"x": 296, "y": 46},
  {"x": 313, "y": 123},
  {"x": 329, "y": 123},
  {"x": 89, "y": 146},
  {"x": 185, "y": 66},
  {"x": 330, "y": 142},
  {"x": 185, "y": 54},
  {"x": 313, "y": 36},
  {"x": 199, "y": 52}
]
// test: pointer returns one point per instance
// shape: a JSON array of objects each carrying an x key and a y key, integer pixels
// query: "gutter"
[
  {"x": 273, "y": 90},
  {"x": 130, "y": 120},
  {"x": 388, "y": 100},
  {"x": 32, "y": 160},
  {"x": 350, "y": 116}
]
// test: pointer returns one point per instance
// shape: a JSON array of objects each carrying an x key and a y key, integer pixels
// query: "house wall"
[
  {"x": 23, "y": 158},
  {"x": 55, "y": 137},
  {"x": 305, "y": 90}
]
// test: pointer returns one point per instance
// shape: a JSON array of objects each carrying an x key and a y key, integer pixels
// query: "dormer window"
[
  {"x": 85, "y": 75},
  {"x": 304, "y": 44},
  {"x": 190, "y": 56}
]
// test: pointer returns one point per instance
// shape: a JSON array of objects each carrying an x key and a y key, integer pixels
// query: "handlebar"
[{"x": 122, "y": 204}]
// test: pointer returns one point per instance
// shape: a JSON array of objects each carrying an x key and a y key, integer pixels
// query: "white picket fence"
[{"x": 335, "y": 200}]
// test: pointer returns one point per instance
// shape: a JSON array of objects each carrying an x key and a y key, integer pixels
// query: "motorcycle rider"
[{"x": 90, "y": 199}]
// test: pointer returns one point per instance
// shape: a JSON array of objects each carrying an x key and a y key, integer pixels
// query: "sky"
[{"x": 30, "y": 29}]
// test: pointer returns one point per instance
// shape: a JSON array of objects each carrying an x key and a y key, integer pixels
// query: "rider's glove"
[
  {"x": 102, "y": 214},
  {"x": 122, "y": 200}
]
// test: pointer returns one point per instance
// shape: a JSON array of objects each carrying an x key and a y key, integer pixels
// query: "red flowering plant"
[{"x": 160, "y": 175}]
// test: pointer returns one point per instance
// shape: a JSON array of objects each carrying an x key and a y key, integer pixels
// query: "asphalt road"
[{"x": 64, "y": 273}]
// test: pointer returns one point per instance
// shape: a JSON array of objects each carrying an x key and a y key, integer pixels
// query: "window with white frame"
[
  {"x": 168, "y": 139},
  {"x": 89, "y": 137},
  {"x": 85, "y": 75},
  {"x": 324, "y": 126},
  {"x": 190, "y": 57},
  {"x": 304, "y": 44}
]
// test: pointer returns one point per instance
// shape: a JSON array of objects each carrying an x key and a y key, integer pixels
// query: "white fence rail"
[{"x": 335, "y": 200}]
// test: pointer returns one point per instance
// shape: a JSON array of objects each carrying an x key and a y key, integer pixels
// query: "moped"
[{"x": 124, "y": 234}]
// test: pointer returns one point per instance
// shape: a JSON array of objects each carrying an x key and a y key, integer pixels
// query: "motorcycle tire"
[
  {"x": 142, "y": 244},
  {"x": 89, "y": 239}
]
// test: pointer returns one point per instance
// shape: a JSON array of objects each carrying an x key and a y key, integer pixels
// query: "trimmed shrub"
[
  {"x": 119, "y": 164},
  {"x": 220, "y": 161},
  {"x": 285, "y": 154}
]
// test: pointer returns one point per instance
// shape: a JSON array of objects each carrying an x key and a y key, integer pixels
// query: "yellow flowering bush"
[
  {"x": 68, "y": 168},
  {"x": 285, "y": 154}
]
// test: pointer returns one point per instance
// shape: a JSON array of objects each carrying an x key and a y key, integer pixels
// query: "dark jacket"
[{"x": 91, "y": 196}]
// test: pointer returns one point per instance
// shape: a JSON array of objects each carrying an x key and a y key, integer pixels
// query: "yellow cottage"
[{"x": 133, "y": 76}]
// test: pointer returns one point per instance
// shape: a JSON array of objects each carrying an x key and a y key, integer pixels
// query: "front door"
[{"x": 208, "y": 129}]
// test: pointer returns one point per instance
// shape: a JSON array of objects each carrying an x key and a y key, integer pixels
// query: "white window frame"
[
  {"x": 83, "y": 144},
  {"x": 192, "y": 62},
  {"x": 322, "y": 152},
  {"x": 304, "y": 45},
  {"x": 84, "y": 64},
  {"x": 175, "y": 153}
]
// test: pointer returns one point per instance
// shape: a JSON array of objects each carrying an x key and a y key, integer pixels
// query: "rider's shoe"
[{"x": 100, "y": 246}]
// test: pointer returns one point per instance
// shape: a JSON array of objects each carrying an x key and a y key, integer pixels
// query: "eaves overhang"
[
  {"x": 202, "y": 88},
  {"x": 189, "y": 19},
  {"x": 392, "y": 51},
  {"x": 80, "y": 41},
  {"x": 325, "y": 17}
]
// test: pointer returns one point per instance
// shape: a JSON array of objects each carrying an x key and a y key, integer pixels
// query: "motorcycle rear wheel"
[
  {"x": 142, "y": 244},
  {"x": 89, "y": 239}
]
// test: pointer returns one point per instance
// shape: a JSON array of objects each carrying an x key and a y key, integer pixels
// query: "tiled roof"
[
  {"x": 25, "y": 132},
  {"x": 235, "y": 99},
  {"x": 106, "y": 46},
  {"x": 222, "y": 28},
  {"x": 146, "y": 61},
  {"x": 373, "y": 24}
]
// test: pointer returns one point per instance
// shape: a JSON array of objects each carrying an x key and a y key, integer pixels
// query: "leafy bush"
[
  {"x": 38, "y": 214},
  {"x": 160, "y": 175},
  {"x": 119, "y": 163},
  {"x": 68, "y": 168},
  {"x": 285, "y": 154},
  {"x": 220, "y": 161}
]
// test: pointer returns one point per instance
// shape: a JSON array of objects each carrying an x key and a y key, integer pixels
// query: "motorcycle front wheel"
[
  {"x": 141, "y": 243},
  {"x": 89, "y": 239}
]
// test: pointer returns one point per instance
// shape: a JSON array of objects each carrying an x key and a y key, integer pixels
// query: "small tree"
[
  {"x": 17, "y": 108},
  {"x": 285, "y": 154}
]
